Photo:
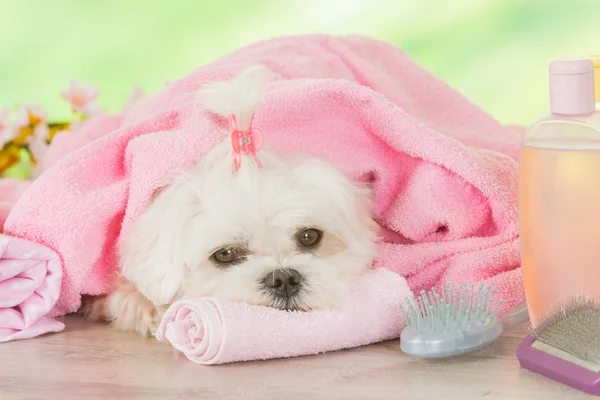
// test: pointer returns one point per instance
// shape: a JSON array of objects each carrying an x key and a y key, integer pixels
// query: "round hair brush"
[{"x": 449, "y": 322}]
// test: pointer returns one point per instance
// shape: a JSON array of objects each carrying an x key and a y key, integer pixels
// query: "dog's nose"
[{"x": 284, "y": 282}]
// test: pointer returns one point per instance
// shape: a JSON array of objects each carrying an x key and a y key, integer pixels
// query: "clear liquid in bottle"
[{"x": 559, "y": 193}]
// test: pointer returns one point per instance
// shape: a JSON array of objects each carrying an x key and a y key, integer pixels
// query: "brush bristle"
[
  {"x": 449, "y": 309},
  {"x": 573, "y": 326}
]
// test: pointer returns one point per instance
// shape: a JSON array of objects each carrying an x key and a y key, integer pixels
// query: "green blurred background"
[{"x": 495, "y": 52}]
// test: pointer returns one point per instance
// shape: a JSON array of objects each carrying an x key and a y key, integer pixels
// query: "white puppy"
[{"x": 291, "y": 235}]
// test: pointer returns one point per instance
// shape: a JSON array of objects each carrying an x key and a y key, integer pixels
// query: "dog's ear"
[
  {"x": 220, "y": 121},
  {"x": 151, "y": 255},
  {"x": 157, "y": 192}
]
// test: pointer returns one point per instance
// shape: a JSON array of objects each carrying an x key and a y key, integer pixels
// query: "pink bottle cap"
[{"x": 572, "y": 86}]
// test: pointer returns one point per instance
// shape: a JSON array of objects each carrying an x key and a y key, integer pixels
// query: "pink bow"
[{"x": 248, "y": 141}]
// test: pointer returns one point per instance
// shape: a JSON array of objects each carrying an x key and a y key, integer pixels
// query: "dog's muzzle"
[{"x": 283, "y": 283}]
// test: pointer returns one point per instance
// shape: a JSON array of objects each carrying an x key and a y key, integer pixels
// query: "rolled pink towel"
[
  {"x": 210, "y": 331},
  {"x": 30, "y": 280}
]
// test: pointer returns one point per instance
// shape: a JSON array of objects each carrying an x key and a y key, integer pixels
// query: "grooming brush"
[
  {"x": 450, "y": 322},
  {"x": 565, "y": 346}
]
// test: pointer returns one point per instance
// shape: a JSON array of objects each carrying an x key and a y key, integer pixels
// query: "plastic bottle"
[
  {"x": 559, "y": 200},
  {"x": 596, "y": 60}
]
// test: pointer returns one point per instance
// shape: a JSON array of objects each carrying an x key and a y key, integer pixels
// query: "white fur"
[
  {"x": 240, "y": 96},
  {"x": 166, "y": 256}
]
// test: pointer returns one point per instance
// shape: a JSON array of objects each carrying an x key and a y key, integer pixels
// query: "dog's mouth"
[
  {"x": 289, "y": 306},
  {"x": 292, "y": 303}
]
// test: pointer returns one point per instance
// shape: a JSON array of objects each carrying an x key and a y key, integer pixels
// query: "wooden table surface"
[{"x": 91, "y": 361}]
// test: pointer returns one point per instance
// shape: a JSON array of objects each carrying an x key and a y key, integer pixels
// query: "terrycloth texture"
[
  {"x": 81, "y": 134},
  {"x": 64, "y": 143},
  {"x": 211, "y": 331},
  {"x": 30, "y": 277},
  {"x": 444, "y": 173}
]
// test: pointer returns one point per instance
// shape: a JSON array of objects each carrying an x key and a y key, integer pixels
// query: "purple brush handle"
[{"x": 557, "y": 369}]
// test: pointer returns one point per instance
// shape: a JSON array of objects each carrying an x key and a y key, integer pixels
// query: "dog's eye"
[
  {"x": 309, "y": 238},
  {"x": 226, "y": 255}
]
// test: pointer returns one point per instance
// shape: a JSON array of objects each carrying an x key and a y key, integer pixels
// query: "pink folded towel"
[
  {"x": 211, "y": 331},
  {"x": 30, "y": 276},
  {"x": 443, "y": 172}
]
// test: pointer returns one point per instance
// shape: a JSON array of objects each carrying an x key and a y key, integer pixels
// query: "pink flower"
[
  {"x": 41, "y": 132},
  {"x": 37, "y": 112},
  {"x": 136, "y": 95},
  {"x": 38, "y": 149},
  {"x": 6, "y": 133},
  {"x": 21, "y": 118},
  {"x": 93, "y": 110},
  {"x": 25, "y": 113},
  {"x": 81, "y": 97},
  {"x": 4, "y": 117},
  {"x": 37, "y": 143}
]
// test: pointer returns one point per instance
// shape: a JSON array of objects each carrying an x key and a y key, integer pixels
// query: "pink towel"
[
  {"x": 443, "y": 172},
  {"x": 79, "y": 135},
  {"x": 30, "y": 276},
  {"x": 211, "y": 331}
]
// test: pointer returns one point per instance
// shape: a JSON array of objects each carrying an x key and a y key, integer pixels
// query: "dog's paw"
[
  {"x": 126, "y": 309},
  {"x": 130, "y": 311},
  {"x": 93, "y": 308}
]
